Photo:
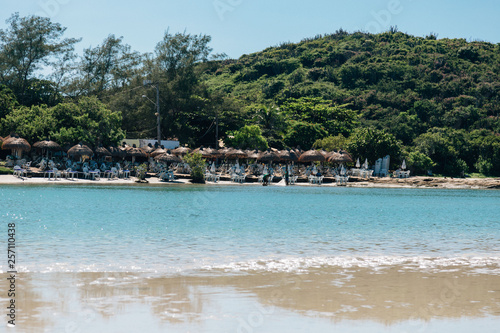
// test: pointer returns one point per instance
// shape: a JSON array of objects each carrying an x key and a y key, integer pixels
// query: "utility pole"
[
  {"x": 157, "y": 114},
  {"x": 216, "y": 130}
]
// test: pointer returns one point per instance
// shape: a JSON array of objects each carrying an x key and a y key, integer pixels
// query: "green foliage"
[
  {"x": 304, "y": 134},
  {"x": 334, "y": 118},
  {"x": 107, "y": 66},
  {"x": 248, "y": 137},
  {"x": 87, "y": 121},
  {"x": 331, "y": 143},
  {"x": 7, "y": 101},
  {"x": 26, "y": 46},
  {"x": 372, "y": 144},
  {"x": 419, "y": 163},
  {"x": 197, "y": 165},
  {"x": 141, "y": 171}
]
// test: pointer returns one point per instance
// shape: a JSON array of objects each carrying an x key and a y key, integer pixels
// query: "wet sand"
[{"x": 356, "y": 299}]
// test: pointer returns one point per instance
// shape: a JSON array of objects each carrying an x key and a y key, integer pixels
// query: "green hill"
[{"x": 439, "y": 97}]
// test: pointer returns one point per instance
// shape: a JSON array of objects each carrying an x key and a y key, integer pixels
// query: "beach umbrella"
[
  {"x": 403, "y": 165},
  {"x": 236, "y": 154},
  {"x": 365, "y": 165},
  {"x": 357, "y": 163},
  {"x": 80, "y": 150},
  {"x": 157, "y": 151},
  {"x": 136, "y": 152},
  {"x": 224, "y": 151},
  {"x": 47, "y": 145},
  {"x": 340, "y": 157},
  {"x": 288, "y": 155},
  {"x": 148, "y": 149},
  {"x": 269, "y": 156},
  {"x": 116, "y": 152},
  {"x": 253, "y": 154},
  {"x": 181, "y": 151},
  {"x": 167, "y": 157},
  {"x": 205, "y": 153},
  {"x": 311, "y": 156},
  {"x": 17, "y": 145},
  {"x": 214, "y": 153},
  {"x": 101, "y": 151}
]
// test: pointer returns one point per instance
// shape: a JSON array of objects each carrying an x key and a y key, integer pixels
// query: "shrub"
[{"x": 197, "y": 165}]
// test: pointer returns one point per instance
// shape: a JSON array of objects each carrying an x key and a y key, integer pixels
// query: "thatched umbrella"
[
  {"x": 117, "y": 152},
  {"x": 101, "y": 151},
  {"x": 181, "y": 151},
  {"x": 224, "y": 151},
  {"x": 17, "y": 145},
  {"x": 80, "y": 150},
  {"x": 148, "y": 149},
  {"x": 205, "y": 152},
  {"x": 269, "y": 156},
  {"x": 253, "y": 154},
  {"x": 168, "y": 158},
  {"x": 157, "y": 151},
  {"x": 136, "y": 152},
  {"x": 236, "y": 154},
  {"x": 288, "y": 155},
  {"x": 340, "y": 157},
  {"x": 311, "y": 156},
  {"x": 47, "y": 145}
]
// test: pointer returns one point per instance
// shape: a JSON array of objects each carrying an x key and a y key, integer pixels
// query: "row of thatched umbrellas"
[{"x": 160, "y": 154}]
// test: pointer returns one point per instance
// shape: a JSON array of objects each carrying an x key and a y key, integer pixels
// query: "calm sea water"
[{"x": 186, "y": 229}]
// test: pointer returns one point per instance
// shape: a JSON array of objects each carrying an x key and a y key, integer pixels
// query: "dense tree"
[
  {"x": 304, "y": 134},
  {"x": 87, "y": 121},
  {"x": 372, "y": 144},
  {"x": 108, "y": 66},
  {"x": 7, "y": 101},
  {"x": 29, "y": 44},
  {"x": 248, "y": 137}
]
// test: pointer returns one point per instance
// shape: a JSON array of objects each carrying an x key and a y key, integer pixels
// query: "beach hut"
[{"x": 17, "y": 145}]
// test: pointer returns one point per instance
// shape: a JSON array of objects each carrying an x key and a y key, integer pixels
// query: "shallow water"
[{"x": 232, "y": 245}]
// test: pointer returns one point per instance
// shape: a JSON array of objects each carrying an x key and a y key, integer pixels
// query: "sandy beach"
[
  {"x": 323, "y": 299},
  {"x": 412, "y": 182}
]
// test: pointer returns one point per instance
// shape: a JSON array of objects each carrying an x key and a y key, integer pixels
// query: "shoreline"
[{"x": 386, "y": 182}]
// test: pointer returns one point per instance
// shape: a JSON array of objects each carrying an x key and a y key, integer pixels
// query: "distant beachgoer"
[{"x": 265, "y": 180}]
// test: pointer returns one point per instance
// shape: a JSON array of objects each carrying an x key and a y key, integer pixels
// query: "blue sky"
[{"x": 245, "y": 26}]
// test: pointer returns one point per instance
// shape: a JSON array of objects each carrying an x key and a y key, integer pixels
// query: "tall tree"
[
  {"x": 109, "y": 65},
  {"x": 29, "y": 44},
  {"x": 176, "y": 66}
]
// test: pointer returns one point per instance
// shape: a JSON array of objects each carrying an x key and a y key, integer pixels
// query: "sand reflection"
[{"x": 62, "y": 301}]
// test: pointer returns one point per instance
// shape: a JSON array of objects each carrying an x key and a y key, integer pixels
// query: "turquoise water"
[{"x": 181, "y": 229}]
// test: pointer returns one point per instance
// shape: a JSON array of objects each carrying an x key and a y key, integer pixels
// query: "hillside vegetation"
[
  {"x": 433, "y": 102},
  {"x": 437, "y": 97}
]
